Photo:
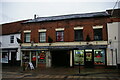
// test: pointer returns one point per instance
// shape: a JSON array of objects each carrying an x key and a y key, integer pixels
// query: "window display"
[
  {"x": 26, "y": 56},
  {"x": 79, "y": 57},
  {"x": 4, "y": 57},
  {"x": 88, "y": 56},
  {"x": 41, "y": 57},
  {"x": 99, "y": 57}
]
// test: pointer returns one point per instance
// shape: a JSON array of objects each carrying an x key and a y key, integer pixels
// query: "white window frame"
[
  {"x": 42, "y": 38},
  {"x": 12, "y": 39}
]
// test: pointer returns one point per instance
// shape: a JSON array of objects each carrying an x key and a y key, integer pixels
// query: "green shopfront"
[{"x": 90, "y": 57}]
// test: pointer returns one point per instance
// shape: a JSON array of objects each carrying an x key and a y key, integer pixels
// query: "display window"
[
  {"x": 41, "y": 57},
  {"x": 99, "y": 57},
  {"x": 26, "y": 57},
  {"x": 33, "y": 55},
  {"x": 4, "y": 57},
  {"x": 79, "y": 57}
]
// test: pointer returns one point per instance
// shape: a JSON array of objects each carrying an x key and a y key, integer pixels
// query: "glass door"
[{"x": 88, "y": 58}]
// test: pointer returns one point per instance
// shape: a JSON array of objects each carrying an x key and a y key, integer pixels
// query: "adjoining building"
[
  {"x": 10, "y": 49},
  {"x": 66, "y": 40},
  {"x": 113, "y": 27}
]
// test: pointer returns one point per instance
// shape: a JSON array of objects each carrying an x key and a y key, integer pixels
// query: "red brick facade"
[{"x": 68, "y": 26}]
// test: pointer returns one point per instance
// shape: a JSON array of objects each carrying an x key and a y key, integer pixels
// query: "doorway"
[
  {"x": 60, "y": 58},
  {"x": 89, "y": 60},
  {"x": 13, "y": 58}
]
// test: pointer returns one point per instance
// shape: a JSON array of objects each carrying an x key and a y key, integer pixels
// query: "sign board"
[{"x": 31, "y": 65}]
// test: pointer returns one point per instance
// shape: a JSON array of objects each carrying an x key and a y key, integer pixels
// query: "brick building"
[{"x": 66, "y": 40}]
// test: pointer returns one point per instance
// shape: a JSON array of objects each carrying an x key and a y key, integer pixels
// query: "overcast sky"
[{"x": 15, "y": 10}]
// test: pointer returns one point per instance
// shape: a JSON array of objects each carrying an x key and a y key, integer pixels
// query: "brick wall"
[{"x": 68, "y": 26}]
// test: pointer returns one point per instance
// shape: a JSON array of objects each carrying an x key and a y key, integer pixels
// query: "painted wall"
[
  {"x": 113, "y": 55},
  {"x": 7, "y": 45}
]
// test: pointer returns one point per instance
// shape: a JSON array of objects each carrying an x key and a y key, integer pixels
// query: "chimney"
[{"x": 35, "y": 16}]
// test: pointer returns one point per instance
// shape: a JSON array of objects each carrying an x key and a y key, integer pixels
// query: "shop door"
[
  {"x": 88, "y": 59},
  {"x": 13, "y": 58}
]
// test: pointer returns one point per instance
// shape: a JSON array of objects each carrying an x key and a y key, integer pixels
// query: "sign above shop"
[{"x": 64, "y": 47}]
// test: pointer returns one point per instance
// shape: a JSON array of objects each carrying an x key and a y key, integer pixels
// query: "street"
[{"x": 62, "y": 73}]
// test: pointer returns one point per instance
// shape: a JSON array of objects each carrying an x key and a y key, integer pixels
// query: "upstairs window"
[
  {"x": 78, "y": 35},
  {"x": 98, "y": 34},
  {"x": 11, "y": 39},
  {"x": 27, "y": 37},
  {"x": 42, "y": 36},
  {"x": 59, "y": 36}
]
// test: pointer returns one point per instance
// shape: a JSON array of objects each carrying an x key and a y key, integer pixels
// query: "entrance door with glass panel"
[{"x": 88, "y": 58}]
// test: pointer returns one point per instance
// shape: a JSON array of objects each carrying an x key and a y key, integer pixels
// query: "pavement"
[{"x": 60, "y": 73}]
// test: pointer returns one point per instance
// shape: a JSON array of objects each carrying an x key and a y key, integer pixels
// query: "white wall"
[
  {"x": 112, "y": 34},
  {"x": 6, "y": 43}
]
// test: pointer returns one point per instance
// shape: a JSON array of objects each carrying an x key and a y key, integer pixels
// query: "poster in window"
[{"x": 59, "y": 36}]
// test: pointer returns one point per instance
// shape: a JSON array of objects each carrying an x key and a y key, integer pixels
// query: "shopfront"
[
  {"x": 10, "y": 57},
  {"x": 90, "y": 57},
  {"x": 37, "y": 57}
]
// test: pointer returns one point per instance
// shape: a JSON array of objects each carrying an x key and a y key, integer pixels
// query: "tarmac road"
[{"x": 60, "y": 74}]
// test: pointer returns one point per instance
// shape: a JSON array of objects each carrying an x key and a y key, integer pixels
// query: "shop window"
[
  {"x": 42, "y": 36},
  {"x": 59, "y": 36},
  {"x": 79, "y": 35},
  {"x": 98, "y": 34},
  {"x": 27, "y": 37},
  {"x": 41, "y": 57},
  {"x": 79, "y": 57},
  {"x": 4, "y": 57},
  {"x": 11, "y": 39},
  {"x": 99, "y": 57},
  {"x": 25, "y": 57}
]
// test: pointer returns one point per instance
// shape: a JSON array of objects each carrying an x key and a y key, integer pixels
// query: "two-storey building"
[
  {"x": 113, "y": 27},
  {"x": 66, "y": 40},
  {"x": 10, "y": 48}
]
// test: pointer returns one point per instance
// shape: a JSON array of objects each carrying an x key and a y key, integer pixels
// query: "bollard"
[
  {"x": 23, "y": 66},
  {"x": 79, "y": 67}
]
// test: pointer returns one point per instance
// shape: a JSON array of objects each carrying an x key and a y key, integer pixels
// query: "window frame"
[
  {"x": 26, "y": 38},
  {"x": 11, "y": 39},
  {"x": 79, "y": 31},
  {"x": 100, "y": 35},
  {"x": 42, "y": 38},
  {"x": 62, "y": 35}
]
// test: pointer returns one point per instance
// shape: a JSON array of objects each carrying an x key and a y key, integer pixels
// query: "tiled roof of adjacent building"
[
  {"x": 11, "y": 28},
  {"x": 71, "y": 16}
]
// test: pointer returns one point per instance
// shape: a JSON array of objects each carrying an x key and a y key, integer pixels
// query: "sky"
[{"x": 16, "y": 10}]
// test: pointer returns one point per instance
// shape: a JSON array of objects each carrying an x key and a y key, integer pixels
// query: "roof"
[
  {"x": 71, "y": 16},
  {"x": 11, "y": 28}
]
